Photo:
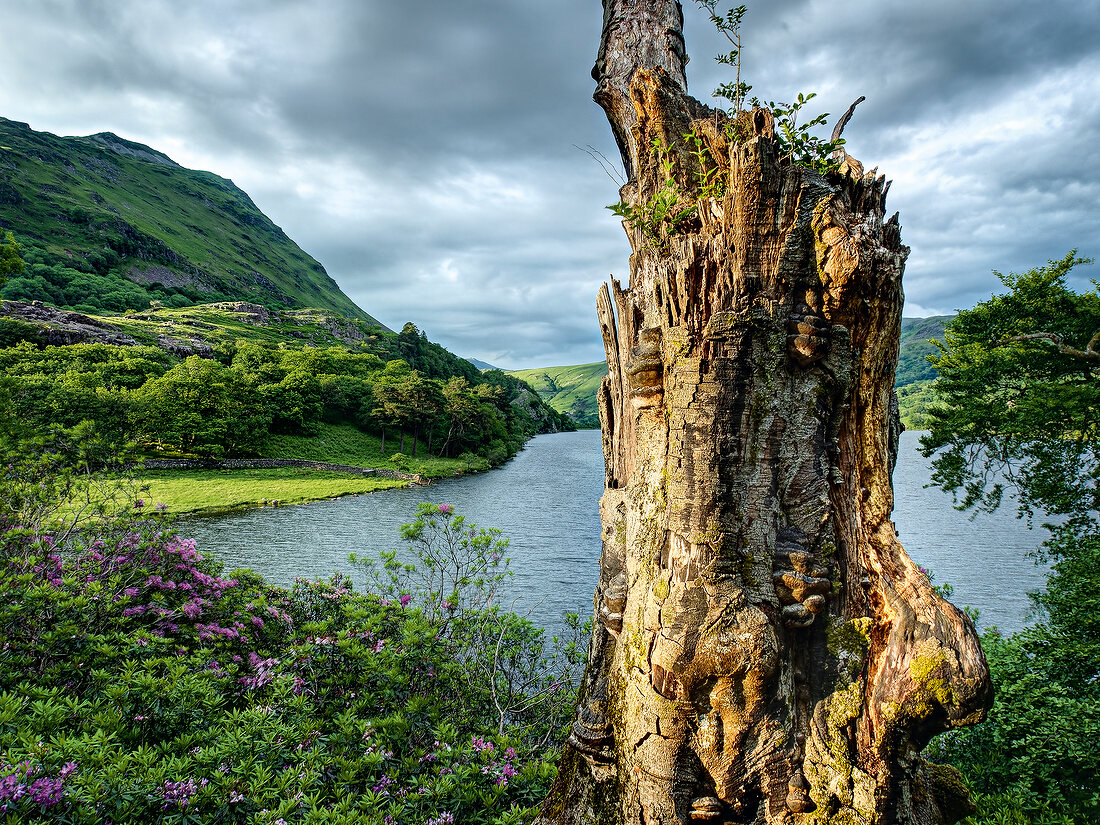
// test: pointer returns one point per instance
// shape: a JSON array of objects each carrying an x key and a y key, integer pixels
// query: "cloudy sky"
[{"x": 435, "y": 155}]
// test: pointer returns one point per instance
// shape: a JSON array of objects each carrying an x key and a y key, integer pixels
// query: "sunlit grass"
[{"x": 199, "y": 491}]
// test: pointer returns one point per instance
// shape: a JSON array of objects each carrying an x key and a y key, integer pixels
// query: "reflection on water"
[{"x": 545, "y": 502}]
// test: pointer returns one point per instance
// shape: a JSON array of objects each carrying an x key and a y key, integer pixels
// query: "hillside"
[
  {"x": 233, "y": 379},
  {"x": 569, "y": 390},
  {"x": 108, "y": 224},
  {"x": 572, "y": 390},
  {"x": 915, "y": 346}
]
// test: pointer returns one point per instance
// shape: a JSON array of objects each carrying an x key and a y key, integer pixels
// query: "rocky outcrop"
[
  {"x": 57, "y": 327},
  {"x": 529, "y": 401}
]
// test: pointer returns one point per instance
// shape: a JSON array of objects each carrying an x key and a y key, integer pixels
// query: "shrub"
[{"x": 141, "y": 683}]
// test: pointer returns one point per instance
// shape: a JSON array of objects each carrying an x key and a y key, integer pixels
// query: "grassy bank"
[{"x": 211, "y": 491}]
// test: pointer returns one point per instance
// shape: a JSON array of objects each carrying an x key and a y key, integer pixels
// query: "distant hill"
[
  {"x": 915, "y": 374},
  {"x": 109, "y": 225},
  {"x": 569, "y": 390},
  {"x": 913, "y": 366},
  {"x": 482, "y": 365},
  {"x": 572, "y": 390}
]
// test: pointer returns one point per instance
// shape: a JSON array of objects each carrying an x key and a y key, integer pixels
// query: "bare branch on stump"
[
  {"x": 763, "y": 650},
  {"x": 838, "y": 130}
]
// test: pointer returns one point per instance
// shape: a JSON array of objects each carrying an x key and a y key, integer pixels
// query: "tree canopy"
[
  {"x": 1017, "y": 403},
  {"x": 1018, "y": 394},
  {"x": 10, "y": 261}
]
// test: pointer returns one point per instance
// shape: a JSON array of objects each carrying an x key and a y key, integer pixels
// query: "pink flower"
[{"x": 405, "y": 599}]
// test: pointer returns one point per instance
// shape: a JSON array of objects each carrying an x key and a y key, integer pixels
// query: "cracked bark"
[{"x": 763, "y": 650}]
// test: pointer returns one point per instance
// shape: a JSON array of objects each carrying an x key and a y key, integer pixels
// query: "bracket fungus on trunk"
[{"x": 763, "y": 649}]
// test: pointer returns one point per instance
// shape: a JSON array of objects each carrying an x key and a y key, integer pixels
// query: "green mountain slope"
[
  {"x": 915, "y": 374},
  {"x": 913, "y": 366},
  {"x": 108, "y": 224},
  {"x": 572, "y": 390},
  {"x": 569, "y": 390}
]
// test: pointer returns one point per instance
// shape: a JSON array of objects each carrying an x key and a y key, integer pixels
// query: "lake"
[{"x": 545, "y": 501}]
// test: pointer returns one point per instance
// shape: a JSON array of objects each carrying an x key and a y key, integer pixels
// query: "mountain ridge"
[{"x": 112, "y": 224}]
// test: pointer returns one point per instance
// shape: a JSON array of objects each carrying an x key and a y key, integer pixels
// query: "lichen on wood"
[{"x": 763, "y": 649}]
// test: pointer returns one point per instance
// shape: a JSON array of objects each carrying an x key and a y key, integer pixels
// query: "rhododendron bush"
[{"x": 139, "y": 682}]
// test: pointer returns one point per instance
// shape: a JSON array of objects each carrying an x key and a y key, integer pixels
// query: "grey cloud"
[{"x": 424, "y": 151}]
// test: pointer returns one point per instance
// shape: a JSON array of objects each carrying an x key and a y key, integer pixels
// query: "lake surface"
[{"x": 545, "y": 501}]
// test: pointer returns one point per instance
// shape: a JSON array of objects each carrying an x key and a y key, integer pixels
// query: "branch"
[
  {"x": 840, "y": 124},
  {"x": 1089, "y": 353}
]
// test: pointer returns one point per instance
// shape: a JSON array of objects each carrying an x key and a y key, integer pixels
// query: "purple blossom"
[
  {"x": 445, "y": 509},
  {"x": 480, "y": 745},
  {"x": 405, "y": 599},
  {"x": 46, "y": 792},
  {"x": 177, "y": 793}
]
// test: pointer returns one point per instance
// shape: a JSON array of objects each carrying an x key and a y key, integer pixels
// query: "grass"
[
  {"x": 76, "y": 196},
  {"x": 213, "y": 491},
  {"x": 345, "y": 444},
  {"x": 571, "y": 390},
  {"x": 216, "y": 323}
]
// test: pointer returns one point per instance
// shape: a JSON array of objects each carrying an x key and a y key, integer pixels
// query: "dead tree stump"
[{"x": 764, "y": 650}]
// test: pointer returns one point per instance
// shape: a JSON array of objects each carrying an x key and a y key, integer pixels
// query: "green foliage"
[
  {"x": 1035, "y": 757},
  {"x": 710, "y": 180},
  {"x": 257, "y": 391},
  {"x": 200, "y": 407},
  {"x": 729, "y": 25},
  {"x": 1015, "y": 410},
  {"x": 918, "y": 337},
  {"x": 570, "y": 390},
  {"x": 667, "y": 212},
  {"x": 1017, "y": 398},
  {"x": 515, "y": 678},
  {"x": 914, "y": 402},
  {"x": 141, "y": 684},
  {"x": 797, "y": 144},
  {"x": 671, "y": 208},
  {"x": 10, "y": 261}
]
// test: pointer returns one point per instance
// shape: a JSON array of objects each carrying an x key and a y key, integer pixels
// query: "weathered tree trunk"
[{"x": 763, "y": 650}]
